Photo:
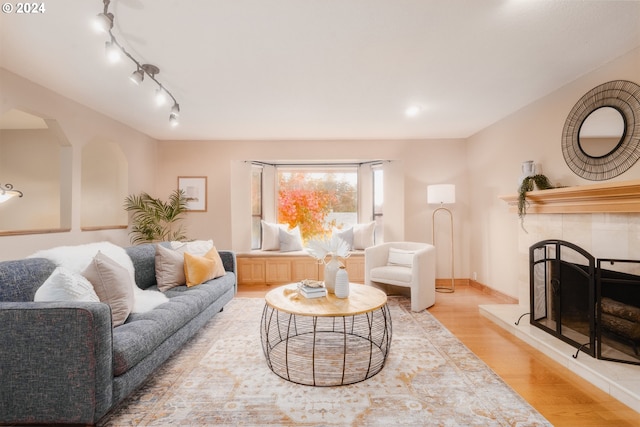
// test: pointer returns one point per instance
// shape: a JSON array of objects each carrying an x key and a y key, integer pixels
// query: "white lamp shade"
[{"x": 441, "y": 194}]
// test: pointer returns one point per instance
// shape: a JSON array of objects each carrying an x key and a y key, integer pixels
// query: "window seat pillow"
[{"x": 258, "y": 253}]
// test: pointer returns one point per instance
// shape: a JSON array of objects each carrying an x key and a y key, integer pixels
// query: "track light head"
[
  {"x": 173, "y": 120},
  {"x": 161, "y": 97},
  {"x": 103, "y": 22},
  {"x": 112, "y": 51},
  {"x": 137, "y": 76},
  {"x": 175, "y": 110}
]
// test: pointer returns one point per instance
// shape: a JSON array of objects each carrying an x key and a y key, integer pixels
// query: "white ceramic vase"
[
  {"x": 330, "y": 270},
  {"x": 528, "y": 169},
  {"x": 342, "y": 283}
]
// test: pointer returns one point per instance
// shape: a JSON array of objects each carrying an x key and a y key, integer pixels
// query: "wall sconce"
[
  {"x": 442, "y": 194},
  {"x": 7, "y": 192}
]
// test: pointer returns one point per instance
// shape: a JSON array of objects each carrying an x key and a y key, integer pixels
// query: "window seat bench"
[{"x": 279, "y": 268}]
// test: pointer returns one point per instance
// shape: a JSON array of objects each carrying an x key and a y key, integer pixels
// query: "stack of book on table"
[{"x": 312, "y": 290}]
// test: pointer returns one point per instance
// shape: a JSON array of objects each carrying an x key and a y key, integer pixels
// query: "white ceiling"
[{"x": 319, "y": 69}]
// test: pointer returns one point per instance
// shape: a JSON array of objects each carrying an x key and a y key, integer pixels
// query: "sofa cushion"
[
  {"x": 144, "y": 264},
  {"x": 392, "y": 274},
  {"x": 19, "y": 280},
  {"x": 143, "y": 332}
]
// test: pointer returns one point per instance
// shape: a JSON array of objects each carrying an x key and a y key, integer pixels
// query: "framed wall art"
[{"x": 195, "y": 188}]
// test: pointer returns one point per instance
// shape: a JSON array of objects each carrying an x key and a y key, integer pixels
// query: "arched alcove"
[
  {"x": 104, "y": 186},
  {"x": 35, "y": 157}
]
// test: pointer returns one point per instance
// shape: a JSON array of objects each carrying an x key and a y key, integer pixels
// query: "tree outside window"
[{"x": 317, "y": 199}]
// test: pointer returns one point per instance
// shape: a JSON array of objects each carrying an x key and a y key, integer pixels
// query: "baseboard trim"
[{"x": 446, "y": 283}]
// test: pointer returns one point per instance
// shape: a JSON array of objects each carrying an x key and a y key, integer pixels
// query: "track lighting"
[
  {"x": 175, "y": 110},
  {"x": 137, "y": 76},
  {"x": 114, "y": 50},
  {"x": 103, "y": 22},
  {"x": 161, "y": 97}
]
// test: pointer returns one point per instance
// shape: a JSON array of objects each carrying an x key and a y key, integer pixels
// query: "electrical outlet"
[{"x": 475, "y": 276}]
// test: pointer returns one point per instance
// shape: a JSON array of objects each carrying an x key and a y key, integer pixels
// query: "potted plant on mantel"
[
  {"x": 155, "y": 220},
  {"x": 539, "y": 182}
]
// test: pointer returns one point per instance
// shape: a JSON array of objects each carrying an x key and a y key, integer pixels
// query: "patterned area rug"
[{"x": 221, "y": 378}]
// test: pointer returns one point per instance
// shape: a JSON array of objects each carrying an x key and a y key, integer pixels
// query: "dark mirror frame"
[{"x": 623, "y": 96}]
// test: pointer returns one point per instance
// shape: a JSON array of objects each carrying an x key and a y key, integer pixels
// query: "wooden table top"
[{"x": 362, "y": 299}]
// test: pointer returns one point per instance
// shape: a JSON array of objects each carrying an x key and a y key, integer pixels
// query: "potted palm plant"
[{"x": 155, "y": 220}]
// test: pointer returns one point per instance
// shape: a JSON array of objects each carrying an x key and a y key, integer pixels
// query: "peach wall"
[
  {"x": 80, "y": 125},
  {"x": 494, "y": 156},
  {"x": 424, "y": 162}
]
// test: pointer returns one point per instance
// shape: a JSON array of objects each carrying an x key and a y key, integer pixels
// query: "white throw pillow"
[
  {"x": 363, "y": 235},
  {"x": 65, "y": 285},
  {"x": 290, "y": 240},
  {"x": 400, "y": 257},
  {"x": 271, "y": 235},
  {"x": 197, "y": 247},
  {"x": 345, "y": 234}
]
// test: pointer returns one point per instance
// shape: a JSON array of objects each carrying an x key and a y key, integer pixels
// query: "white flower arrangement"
[{"x": 335, "y": 246}]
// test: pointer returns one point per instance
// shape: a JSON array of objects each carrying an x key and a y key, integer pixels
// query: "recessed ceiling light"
[{"x": 413, "y": 111}]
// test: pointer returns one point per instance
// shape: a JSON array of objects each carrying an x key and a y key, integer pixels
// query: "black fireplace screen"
[
  {"x": 595, "y": 308},
  {"x": 618, "y": 310},
  {"x": 563, "y": 293}
]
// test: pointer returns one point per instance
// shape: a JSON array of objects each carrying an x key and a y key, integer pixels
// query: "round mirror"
[
  {"x": 601, "y": 132},
  {"x": 601, "y": 136}
]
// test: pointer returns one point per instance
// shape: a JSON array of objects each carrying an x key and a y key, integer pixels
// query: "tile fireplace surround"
[{"x": 603, "y": 219}]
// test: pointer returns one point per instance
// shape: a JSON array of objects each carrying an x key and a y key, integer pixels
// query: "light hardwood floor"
[{"x": 562, "y": 397}]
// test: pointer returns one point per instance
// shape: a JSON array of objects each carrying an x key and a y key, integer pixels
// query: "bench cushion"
[{"x": 391, "y": 274}]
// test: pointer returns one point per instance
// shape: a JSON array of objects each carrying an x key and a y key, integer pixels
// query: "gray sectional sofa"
[{"x": 64, "y": 363}]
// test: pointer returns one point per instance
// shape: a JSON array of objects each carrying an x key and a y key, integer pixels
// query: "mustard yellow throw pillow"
[{"x": 199, "y": 269}]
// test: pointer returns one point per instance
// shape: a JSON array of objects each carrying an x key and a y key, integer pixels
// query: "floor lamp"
[{"x": 442, "y": 194}]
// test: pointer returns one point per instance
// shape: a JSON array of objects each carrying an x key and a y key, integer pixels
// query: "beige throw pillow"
[
  {"x": 169, "y": 268},
  {"x": 113, "y": 285},
  {"x": 400, "y": 257},
  {"x": 363, "y": 235}
]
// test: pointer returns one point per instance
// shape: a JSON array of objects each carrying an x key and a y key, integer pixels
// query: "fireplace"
[{"x": 594, "y": 305}]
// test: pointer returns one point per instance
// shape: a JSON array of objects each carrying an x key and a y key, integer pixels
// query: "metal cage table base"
[{"x": 326, "y": 350}]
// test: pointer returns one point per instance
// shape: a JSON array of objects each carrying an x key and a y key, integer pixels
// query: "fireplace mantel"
[{"x": 620, "y": 197}]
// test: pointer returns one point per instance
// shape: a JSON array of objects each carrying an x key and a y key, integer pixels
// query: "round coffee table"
[{"x": 326, "y": 341}]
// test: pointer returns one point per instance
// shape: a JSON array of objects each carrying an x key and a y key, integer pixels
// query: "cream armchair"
[{"x": 406, "y": 264}]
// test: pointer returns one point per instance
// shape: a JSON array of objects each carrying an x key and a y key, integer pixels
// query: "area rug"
[{"x": 221, "y": 378}]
